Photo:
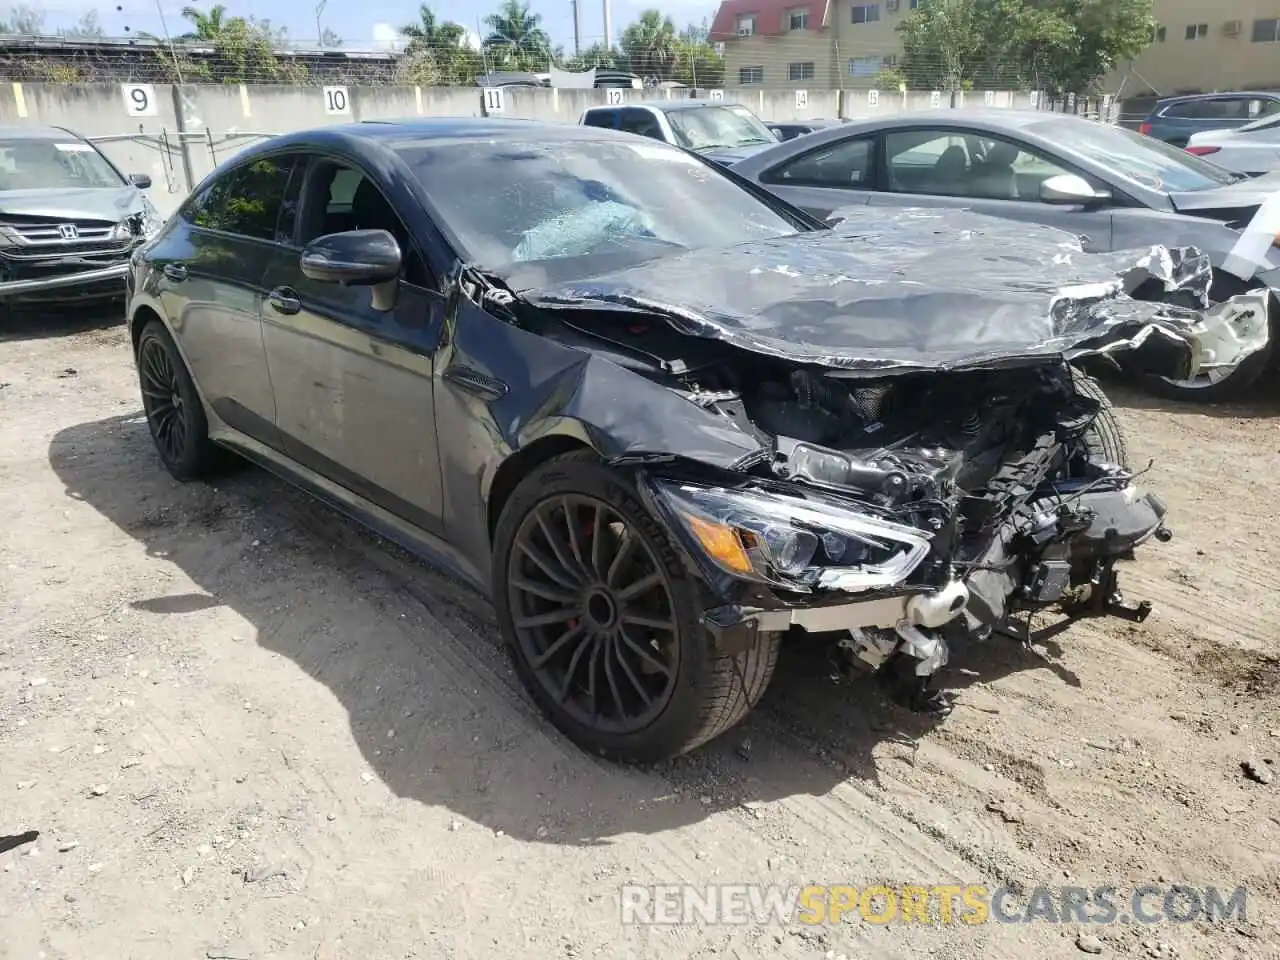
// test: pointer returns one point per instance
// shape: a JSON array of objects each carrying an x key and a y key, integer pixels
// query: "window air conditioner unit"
[{"x": 1231, "y": 28}]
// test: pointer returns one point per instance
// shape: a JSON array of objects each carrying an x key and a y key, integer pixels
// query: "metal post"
[
  {"x": 180, "y": 116},
  {"x": 577, "y": 28}
]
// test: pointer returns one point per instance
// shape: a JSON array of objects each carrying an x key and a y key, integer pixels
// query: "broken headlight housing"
[{"x": 792, "y": 542}]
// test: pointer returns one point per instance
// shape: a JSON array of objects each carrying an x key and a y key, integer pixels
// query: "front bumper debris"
[{"x": 66, "y": 281}]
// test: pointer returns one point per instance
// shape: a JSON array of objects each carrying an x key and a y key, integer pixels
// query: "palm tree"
[
  {"x": 517, "y": 36},
  {"x": 429, "y": 34},
  {"x": 651, "y": 45},
  {"x": 208, "y": 26},
  {"x": 438, "y": 50}
]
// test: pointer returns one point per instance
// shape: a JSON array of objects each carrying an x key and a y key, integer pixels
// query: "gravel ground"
[{"x": 245, "y": 728}]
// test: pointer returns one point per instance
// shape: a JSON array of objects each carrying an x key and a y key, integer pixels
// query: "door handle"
[
  {"x": 284, "y": 300},
  {"x": 176, "y": 272}
]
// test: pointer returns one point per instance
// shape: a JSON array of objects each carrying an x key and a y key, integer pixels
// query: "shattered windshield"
[
  {"x": 1140, "y": 159},
  {"x": 32, "y": 164},
  {"x": 705, "y": 128},
  {"x": 511, "y": 202}
]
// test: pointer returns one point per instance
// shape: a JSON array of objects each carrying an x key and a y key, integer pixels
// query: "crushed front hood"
[
  {"x": 896, "y": 290},
  {"x": 111, "y": 204}
]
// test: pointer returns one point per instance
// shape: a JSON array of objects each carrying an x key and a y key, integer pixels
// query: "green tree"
[
  {"x": 1107, "y": 32},
  {"x": 1062, "y": 45},
  {"x": 276, "y": 36},
  {"x": 596, "y": 55},
  {"x": 23, "y": 20},
  {"x": 889, "y": 79},
  {"x": 207, "y": 26},
  {"x": 651, "y": 45},
  {"x": 699, "y": 65},
  {"x": 243, "y": 53},
  {"x": 86, "y": 28},
  {"x": 516, "y": 40},
  {"x": 437, "y": 52}
]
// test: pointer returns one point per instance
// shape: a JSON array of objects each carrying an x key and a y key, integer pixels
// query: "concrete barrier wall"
[{"x": 179, "y": 134}]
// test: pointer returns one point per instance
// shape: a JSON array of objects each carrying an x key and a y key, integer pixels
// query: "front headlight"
[{"x": 792, "y": 542}]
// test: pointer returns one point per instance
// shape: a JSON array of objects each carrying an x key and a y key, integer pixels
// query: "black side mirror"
[
  {"x": 140, "y": 180},
  {"x": 352, "y": 258}
]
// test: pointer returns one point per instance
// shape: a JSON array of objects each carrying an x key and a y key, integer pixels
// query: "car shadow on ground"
[
  {"x": 38, "y": 325},
  {"x": 811, "y": 732}
]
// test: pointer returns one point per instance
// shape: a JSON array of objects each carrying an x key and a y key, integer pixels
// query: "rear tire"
[{"x": 590, "y": 642}]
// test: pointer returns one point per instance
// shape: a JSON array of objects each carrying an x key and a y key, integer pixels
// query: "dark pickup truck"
[{"x": 69, "y": 220}]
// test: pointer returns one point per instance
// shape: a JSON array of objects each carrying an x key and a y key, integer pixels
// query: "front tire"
[
  {"x": 1105, "y": 437},
  {"x": 174, "y": 413},
  {"x": 601, "y": 619}
]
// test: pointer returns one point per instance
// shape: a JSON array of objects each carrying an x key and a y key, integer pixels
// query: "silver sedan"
[{"x": 1115, "y": 187}]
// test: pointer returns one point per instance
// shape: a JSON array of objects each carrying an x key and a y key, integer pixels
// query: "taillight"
[
  {"x": 1144, "y": 128},
  {"x": 1202, "y": 151}
]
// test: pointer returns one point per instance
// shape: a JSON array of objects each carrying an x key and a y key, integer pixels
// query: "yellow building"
[{"x": 1198, "y": 46}]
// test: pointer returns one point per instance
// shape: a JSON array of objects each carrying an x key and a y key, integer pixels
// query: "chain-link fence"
[{"x": 806, "y": 61}]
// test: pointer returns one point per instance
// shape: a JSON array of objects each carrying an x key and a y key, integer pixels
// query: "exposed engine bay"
[
  {"x": 900, "y": 516},
  {"x": 894, "y": 445},
  {"x": 1010, "y": 476}
]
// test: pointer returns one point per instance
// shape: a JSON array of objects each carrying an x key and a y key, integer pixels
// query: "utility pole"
[
  {"x": 577, "y": 28},
  {"x": 608, "y": 27}
]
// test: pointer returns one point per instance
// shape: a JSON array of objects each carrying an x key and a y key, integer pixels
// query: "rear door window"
[
  {"x": 848, "y": 163},
  {"x": 643, "y": 122},
  {"x": 601, "y": 118}
]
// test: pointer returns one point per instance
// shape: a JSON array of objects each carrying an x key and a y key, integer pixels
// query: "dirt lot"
[{"x": 245, "y": 728}]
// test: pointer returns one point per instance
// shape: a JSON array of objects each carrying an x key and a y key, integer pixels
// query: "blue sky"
[{"x": 361, "y": 22}]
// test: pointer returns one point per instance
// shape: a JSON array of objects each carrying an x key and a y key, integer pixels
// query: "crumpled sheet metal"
[{"x": 894, "y": 290}]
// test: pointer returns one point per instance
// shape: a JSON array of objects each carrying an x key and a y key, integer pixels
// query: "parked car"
[
  {"x": 790, "y": 129},
  {"x": 1175, "y": 119},
  {"x": 723, "y": 132},
  {"x": 660, "y": 416},
  {"x": 1253, "y": 149},
  {"x": 69, "y": 220},
  {"x": 1116, "y": 187}
]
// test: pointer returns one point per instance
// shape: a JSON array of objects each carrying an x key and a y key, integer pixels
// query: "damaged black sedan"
[{"x": 662, "y": 418}]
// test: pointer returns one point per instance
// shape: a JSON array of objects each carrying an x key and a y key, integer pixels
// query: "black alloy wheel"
[
  {"x": 603, "y": 618},
  {"x": 172, "y": 406},
  {"x": 593, "y": 612}
]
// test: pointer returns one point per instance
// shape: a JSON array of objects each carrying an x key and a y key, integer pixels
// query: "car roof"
[
  {"x": 824, "y": 122},
  {"x": 428, "y": 132},
  {"x": 36, "y": 133},
  {"x": 1186, "y": 97},
  {"x": 667, "y": 106},
  {"x": 994, "y": 119}
]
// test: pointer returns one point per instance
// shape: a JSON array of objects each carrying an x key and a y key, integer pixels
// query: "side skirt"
[{"x": 417, "y": 541}]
